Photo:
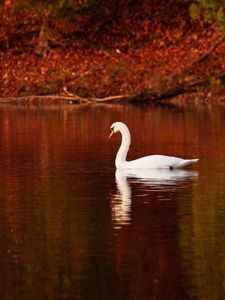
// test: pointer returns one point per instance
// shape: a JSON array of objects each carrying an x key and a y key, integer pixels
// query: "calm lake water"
[{"x": 73, "y": 228}]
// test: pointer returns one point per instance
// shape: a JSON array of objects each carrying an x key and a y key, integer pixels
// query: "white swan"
[{"x": 146, "y": 162}]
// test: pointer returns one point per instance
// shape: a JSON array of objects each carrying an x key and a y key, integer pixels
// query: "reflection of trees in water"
[
  {"x": 167, "y": 248},
  {"x": 151, "y": 237},
  {"x": 202, "y": 237}
]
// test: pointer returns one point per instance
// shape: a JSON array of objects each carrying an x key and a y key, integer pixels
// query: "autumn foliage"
[{"x": 114, "y": 47}]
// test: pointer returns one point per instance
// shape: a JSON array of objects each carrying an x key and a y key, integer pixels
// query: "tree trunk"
[{"x": 42, "y": 47}]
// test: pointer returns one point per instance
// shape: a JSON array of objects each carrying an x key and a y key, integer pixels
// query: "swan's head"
[{"x": 116, "y": 127}]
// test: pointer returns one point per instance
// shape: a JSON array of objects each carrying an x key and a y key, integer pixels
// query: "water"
[{"x": 73, "y": 228}]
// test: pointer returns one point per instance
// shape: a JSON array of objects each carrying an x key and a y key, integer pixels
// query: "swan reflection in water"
[{"x": 150, "y": 180}]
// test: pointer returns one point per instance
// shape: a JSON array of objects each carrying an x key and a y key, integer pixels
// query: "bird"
[{"x": 155, "y": 161}]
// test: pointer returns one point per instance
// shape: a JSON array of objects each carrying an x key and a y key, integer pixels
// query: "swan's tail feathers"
[{"x": 186, "y": 162}]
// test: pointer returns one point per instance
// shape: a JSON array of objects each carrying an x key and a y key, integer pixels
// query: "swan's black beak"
[{"x": 111, "y": 132}]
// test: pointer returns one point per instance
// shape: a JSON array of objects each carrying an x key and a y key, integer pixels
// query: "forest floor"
[{"x": 113, "y": 51}]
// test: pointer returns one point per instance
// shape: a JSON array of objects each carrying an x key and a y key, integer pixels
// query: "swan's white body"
[{"x": 146, "y": 162}]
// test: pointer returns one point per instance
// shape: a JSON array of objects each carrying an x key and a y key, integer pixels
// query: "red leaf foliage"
[{"x": 140, "y": 46}]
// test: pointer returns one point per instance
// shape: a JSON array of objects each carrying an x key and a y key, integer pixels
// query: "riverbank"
[{"x": 136, "y": 53}]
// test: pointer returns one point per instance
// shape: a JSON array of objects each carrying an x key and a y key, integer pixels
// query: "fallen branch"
[
  {"x": 207, "y": 54},
  {"x": 71, "y": 99},
  {"x": 146, "y": 96},
  {"x": 33, "y": 98},
  {"x": 178, "y": 89},
  {"x": 117, "y": 98},
  {"x": 201, "y": 59}
]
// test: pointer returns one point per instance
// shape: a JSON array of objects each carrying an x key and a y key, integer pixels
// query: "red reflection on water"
[{"x": 59, "y": 209}]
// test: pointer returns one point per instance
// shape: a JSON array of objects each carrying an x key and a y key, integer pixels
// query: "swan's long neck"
[{"x": 124, "y": 147}]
